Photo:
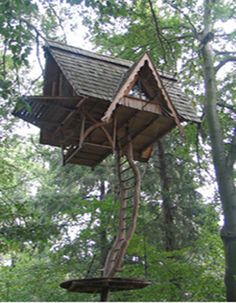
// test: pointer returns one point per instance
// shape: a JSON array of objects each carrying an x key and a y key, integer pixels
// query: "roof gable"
[
  {"x": 129, "y": 82},
  {"x": 89, "y": 74}
]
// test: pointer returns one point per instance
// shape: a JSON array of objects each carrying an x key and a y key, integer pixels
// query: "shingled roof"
[{"x": 100, "y": 76}]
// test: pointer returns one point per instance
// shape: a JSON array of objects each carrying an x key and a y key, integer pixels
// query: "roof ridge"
[
  {"x": 87, "y": 53},
  {"x": 101, "y": 57}
]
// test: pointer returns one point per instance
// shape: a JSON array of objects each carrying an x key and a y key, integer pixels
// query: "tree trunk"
[
  {"x": 166, "y": 198},
  {"x": 103, "y": 233},
  {"x": 224, "y": 174}
]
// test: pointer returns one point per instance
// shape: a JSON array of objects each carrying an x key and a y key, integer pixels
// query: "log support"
[{"x": 104, "y": 294}]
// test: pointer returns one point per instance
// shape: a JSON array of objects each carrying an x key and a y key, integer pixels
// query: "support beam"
[
  {"x": 77, "y": 107},
  {"x": 109, "y": 138},
  {"x": 135, "y": 134},
  {"x": 75, "y": 149},
  {"x": 54, "y": 98},
  {"x": 157, "y": 137},
  {"x": 104, "y": 294}
]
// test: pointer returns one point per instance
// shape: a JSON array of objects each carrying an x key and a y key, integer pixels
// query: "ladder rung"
[
  {"x": 129, "y": 197},
  {"x": 130, "y": 187},
  {"x": 128, "y": 207},
  {"x": 128, "y": 179},
  {"x": 126, "y": 169},
  {"x": 125, "y": 161}
]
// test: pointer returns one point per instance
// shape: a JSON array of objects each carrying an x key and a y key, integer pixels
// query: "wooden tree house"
[{"x": 93, "y": 106}]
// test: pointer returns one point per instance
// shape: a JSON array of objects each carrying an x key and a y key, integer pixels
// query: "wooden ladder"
[{"x": 129, "y": 180}]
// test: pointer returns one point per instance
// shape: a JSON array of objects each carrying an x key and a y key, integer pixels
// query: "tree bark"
[
  {"x": 103, "y": 233},
  {"x": 166, "y": 198},
  {"x": 224, "y": 174}
]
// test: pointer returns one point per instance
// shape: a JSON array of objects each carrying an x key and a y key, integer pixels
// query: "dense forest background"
[{"x": 58, "y": 222}]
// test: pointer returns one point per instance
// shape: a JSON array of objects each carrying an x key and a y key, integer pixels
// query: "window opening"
[{"x": 138, "y": 91}]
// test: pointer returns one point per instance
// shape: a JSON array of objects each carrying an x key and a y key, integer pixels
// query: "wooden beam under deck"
[
  {"x": 85, "y": 162},
  {"x": 47, "y": 123},
  {"x": 142, "y": 128},
  {"x": 73, "y": 151},
  {"x": 55, "y": 98},
  {"x": 77, "y": 107},
  {"x": 159, "y": 136}
]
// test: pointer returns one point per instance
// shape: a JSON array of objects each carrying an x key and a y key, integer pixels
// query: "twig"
[
  {"x": 38, "y": 52},
  {"x": 30, "y": 25},
  {"x": 90, "y": 266},
  {"x": 4, "y": 59},
  {"x": 59, "y": 22},
  {"x": 32, "y": 83}
]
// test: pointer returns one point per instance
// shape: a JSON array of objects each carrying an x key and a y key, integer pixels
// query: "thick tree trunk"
[
  {"x": 103, "y": 233},
  {"x": 224, "y": 174},
  {"x": 166, "y": 198}
]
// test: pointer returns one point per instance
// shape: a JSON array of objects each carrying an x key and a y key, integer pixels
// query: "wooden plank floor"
[{"x": 96, "y": 285}]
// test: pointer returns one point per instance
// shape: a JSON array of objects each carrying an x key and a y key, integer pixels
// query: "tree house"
[{"x": 95, "y": 105}]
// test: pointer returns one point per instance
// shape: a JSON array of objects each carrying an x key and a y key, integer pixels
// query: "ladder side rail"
[{"x": 114, "y": 251}]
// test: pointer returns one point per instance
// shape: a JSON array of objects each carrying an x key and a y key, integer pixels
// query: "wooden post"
[
  {"x": 104, "y": 294},
  {"x": 82, "y": 128},
  {"x": 60, "y": 89},
  {"x": 114, "y": 139}
]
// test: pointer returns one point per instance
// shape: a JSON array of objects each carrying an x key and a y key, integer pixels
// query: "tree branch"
[
  {"x": 30, "y": 25},
  {"x": 223, "y": 62},
  {"x": 227, "y": 53},
  {"x": 158, "y": 30},
  {"x": 59, "y": 21},
  {"x": 182, "y": 37},
  {"x": 230, "y": 107}
]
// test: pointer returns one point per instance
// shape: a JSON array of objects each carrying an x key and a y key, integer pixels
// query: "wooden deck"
[{"x": 96, "y": 285}]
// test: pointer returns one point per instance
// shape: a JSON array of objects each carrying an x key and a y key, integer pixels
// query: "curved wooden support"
[
  {"x": 117, "y": 252},
  {"x": 102, "y": 128},
  {"x": 92, "y": 128}
]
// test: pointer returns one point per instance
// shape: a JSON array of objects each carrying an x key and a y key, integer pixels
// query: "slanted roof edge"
[
  {"x": 165, "y": 93},
  {"x": 67, "y": 76},
  {"x": 79, "y": 51}
]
